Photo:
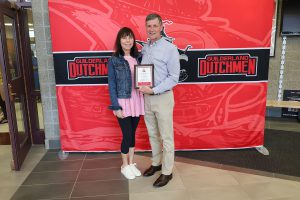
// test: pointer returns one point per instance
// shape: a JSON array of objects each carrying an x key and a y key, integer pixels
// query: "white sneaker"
[
  {"x": 135, "y": 170},
  {"x": 127, "y": 172}
]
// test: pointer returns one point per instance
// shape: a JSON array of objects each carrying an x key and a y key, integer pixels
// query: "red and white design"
[
  {"x": 237, "y": 64},
  {"x": 78, "y": 25},
  {"x": 206, "y": 116},
  {"x": 87, "y": 67}
]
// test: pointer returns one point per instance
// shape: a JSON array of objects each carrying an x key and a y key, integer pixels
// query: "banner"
[{"x": 224, "y": 48}]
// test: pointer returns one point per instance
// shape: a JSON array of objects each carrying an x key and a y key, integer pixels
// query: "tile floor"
[
  {"x": 10, "y": 180},
  {"x": 96, "y": 176}
]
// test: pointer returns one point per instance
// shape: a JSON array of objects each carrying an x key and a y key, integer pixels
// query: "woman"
[{"x": 127, "y": 103}]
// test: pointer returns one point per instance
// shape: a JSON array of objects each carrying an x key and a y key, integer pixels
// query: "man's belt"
[{"x": 162, "y": 92}]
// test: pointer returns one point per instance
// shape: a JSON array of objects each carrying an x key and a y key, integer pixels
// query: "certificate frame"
[{"x": 148, "y": 76}]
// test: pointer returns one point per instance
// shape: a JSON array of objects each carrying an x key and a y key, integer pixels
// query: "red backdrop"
[{"x": 219, "y": 111}]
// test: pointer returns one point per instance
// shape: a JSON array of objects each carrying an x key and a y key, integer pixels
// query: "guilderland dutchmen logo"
[
  {"x": 227, "y": 64},
  {"x": 88, "y": 67}
]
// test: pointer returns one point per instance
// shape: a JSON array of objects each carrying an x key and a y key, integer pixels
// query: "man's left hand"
[{"x": 146, "y": 90}]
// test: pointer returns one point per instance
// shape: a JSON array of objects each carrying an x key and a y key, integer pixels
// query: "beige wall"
[{"x": 291, "y": 78}]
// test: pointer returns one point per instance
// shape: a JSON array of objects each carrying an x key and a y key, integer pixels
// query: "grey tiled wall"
[{"x": 46, "y": 72}]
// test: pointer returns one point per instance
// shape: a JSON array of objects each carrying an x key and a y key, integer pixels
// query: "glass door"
[
  {"x": 4, "y": 133},
  {"x": 14, "y": 87},
  {"x": 31, "y": 74}
]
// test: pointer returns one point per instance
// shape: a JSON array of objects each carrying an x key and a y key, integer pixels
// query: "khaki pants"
[{"x": 159, "y": 122}]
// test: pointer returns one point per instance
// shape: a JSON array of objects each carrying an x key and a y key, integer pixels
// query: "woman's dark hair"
[{"x": 123, "y": 32}]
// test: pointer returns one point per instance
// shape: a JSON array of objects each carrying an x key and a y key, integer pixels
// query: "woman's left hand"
[
  {"x": 146, "y": 90},
  {"x": 118, "y": 113}
]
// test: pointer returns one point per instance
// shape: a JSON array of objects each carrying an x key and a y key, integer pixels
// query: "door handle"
[{"x": 11, "y": 93}]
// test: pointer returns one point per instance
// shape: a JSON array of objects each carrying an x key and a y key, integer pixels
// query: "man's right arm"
[{"x": 173, "y": 68}]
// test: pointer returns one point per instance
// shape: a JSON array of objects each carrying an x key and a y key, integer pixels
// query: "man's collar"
[{"x": 156, "y": 42}]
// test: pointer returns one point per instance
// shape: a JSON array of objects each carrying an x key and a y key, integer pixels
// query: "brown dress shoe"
[
  {"x": 151, "y": 170},
  {"x": 162, "y": 180}
]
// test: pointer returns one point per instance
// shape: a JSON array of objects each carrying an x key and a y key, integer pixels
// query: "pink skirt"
[{"x": 134, "y": 106}]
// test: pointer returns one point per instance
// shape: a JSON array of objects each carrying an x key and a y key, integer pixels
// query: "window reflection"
[
  {"x": 37, "y": 102},
  {"x": 11, "y": 47}
]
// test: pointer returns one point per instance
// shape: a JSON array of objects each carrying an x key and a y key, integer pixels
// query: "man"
[{"x": 159, "y": 100}]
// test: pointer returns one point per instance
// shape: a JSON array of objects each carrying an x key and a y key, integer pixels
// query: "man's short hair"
[{"x": 154, "y": 16}]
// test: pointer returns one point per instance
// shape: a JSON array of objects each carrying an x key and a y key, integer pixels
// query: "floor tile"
[
  {"x": 187, "y": 160},
  {"x": 190, "y": 169},
  {"x": 12, "y": 179},
  {"x": 262, "y": 191},
  {"x": 244, "y": 178},
  {"x": 287, "y": 177},
  {"x": 288, "y": 198},
  {"x": 93, "y": 188},
  {"x": 6, "y": 192},
  {"x": 219, "y": 193},
  {"x": 58, "y": 166},
  {"x": 195, "y": 178},
  {"x": 37, "y": 192},
  {"x": 145, "y": 184},
  {"x": 102, "y": 155},
  {"x": 53, "y": 156},
  {"x": 34, "y": 156},
  {"x": 51, "y": 177},
  {"x": 100, "y": 174},
  {"x": 105, "y": 197},
  {"x": 142, "y": 162},
  {"x": 161, "y": 195},
  {"x": 247, "y": 171},
  {"x": 212, "y": 178},
  {"x": 102, "y": 163},
  {"x": 293, "y": 184}
]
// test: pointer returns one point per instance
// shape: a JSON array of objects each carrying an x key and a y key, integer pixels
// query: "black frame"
[
  {"x": 282, "y": 33},
  {"x": 151, "y": 66}
]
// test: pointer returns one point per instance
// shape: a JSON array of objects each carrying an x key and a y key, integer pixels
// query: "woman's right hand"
[{"x": 118, "y": 113}]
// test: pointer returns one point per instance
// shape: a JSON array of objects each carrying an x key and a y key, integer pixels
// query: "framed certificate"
[{"x": 143, "y": 75}]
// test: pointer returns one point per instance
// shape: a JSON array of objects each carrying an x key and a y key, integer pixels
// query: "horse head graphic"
[{"x": 182, "y": 52}]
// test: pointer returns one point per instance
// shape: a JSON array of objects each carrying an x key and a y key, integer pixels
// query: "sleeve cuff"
[{"x": 155, "y": 91}]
